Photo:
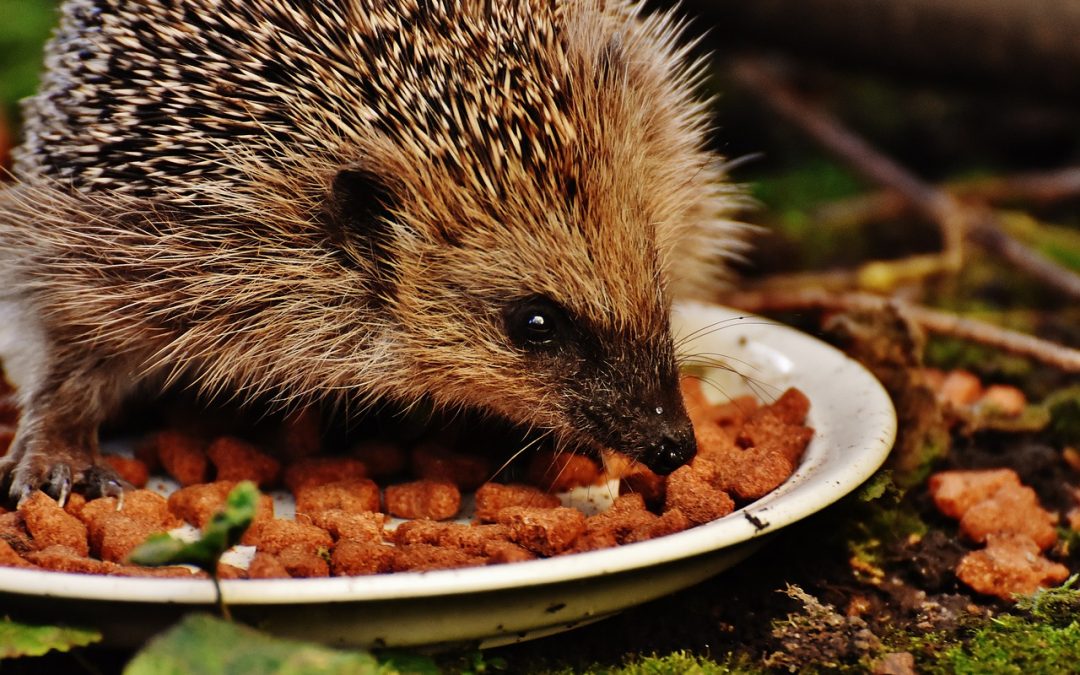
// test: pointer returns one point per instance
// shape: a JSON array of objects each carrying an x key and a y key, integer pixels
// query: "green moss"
[{"x": 26, "y": 26}]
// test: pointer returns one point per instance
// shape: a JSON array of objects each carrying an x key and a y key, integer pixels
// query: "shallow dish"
[{"x": 854, "y": 426}]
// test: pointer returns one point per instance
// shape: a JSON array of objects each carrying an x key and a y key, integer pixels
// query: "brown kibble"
[
  {"x": 299, "y": 561},
  {"x": 74, "y": 504},
  {"x": 353, "y": 496},
  {"x": 626, "y": 515},
  {"x": 651, "y": 486},
  {"x": 543, "y": 531},
  {"x": 1009, "y": 565},
  {"x": 345, "y": 525},
  {"x": 9, "y": 557},
  {"x": 64, "y": 559},
  {"x": 492, "y": 497},
  {"x": 381, "y": 458},
  {"x": 734, "y": 413},
  {"x": 238, "y": 460},
  {"x": 226, "y": 571},
  {"x": 49, "y": 525},
  {"x": 697, "y": 405},
  {"x": 955, "y": 492},
  {"x": 696, "y": 497},
  {"x": 274, "y": 536},
  {"x": 473, "y": 539},
  {"x": 13, "y": 531},
  {"x": 747, "y": 474},
  {"x": 1013, "y": 509},
  {"x": 960, "y": 388},
  {"x": 300, "y": 434},
  {"x": 266, "y": 566},
  {"x": 423, "y": 499},
  {"x": 322, "y": 470},
  {"x": 182, "y": 456},
  {"x": 791, "y": 408},
  {"x": 118, "y": 535},
  {"x": 559, "y": 472},
  {"x": 669, "y": 522},
  {"x": 360, "y": 558},
  {"x": 167, "y": 572},
  {"x": 425, "y": 558},
  {"x": 434, "y": 462},
  {"x": 767, "y": 434},
  {"x": 197, "y": 504},
  {"x": 133, "y": 470},
  {"x": 1004, "y": 400}
]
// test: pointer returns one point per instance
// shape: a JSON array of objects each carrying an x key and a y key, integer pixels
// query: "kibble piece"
[
  {"x": 144, "y": 506},
  {"x": 167, "y": 572},
  {"x": 669, "y": 522},
  {"x": 9, "y": 557},
  {"x": 559, "y": 472},
  {"x": 354, "y": 496},
  {"x": 1004, "y": 400},
  {"x": 425, "y": 558},
  {"x": 501, "y": 552},
  {"x": 626, "y": 515},
  {"x": 274, "y": 536},
  {"x": 734, "y": 413},
  {"x": 697, "y": 405},
  {"x": 543, "y": 531},
  {"x": 182, "y": 456},
  {"x": 266, "y": 566},
  {"x": 1009, "y": 565},
  {"x": 1013, "y": 509},
  {"x": 492, "y": 497},
  {"x": 747, "y": 474},
  {"x": 238, "y": 460},
  {"x": 768, "y": 434},
  {"x": 477, "y": 540},
  {"x": 791, "y": 408},
  {"x": 651, "y": 486},
  {"x": 693, "y": 495},
  {"x": 960, "y": 388},
  {"x": 314, "y": 471},
  {"x": 197, "y": 504},
  {"x": 360, "y": 558},
  {"x": 345, "y": 525},
  {"x": 13, "y": 531},
  {"x": 299, "y": 561},
  {"x": 131, "y": 469},
  {"x": 434, "y": 462},
  {"x": 423, "y": 499},
  {"x": 955, "y": 492},
  {"x": 118, "y": 535},
  {"x": 50, "y": 525},
  {"x": 64, "y": 559},
  {"x": 381, "y": 458}
]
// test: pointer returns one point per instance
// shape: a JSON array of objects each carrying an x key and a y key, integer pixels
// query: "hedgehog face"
[{"x": 620, "y": 393}]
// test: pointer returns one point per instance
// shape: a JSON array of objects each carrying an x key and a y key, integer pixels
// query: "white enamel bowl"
[{"x": 854, "y": 423}]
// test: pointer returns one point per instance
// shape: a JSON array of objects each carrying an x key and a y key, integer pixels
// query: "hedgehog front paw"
[{"x": 57, "y": 473}]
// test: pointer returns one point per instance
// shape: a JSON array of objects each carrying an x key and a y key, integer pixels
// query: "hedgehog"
[{"x": 479, "y": 205}]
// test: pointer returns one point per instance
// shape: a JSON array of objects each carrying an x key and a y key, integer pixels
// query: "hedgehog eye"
[{"x": 536, "y": 324}]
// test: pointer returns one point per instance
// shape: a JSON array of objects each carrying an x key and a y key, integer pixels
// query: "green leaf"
[
  {"x": 223, "y": 531},
  {"x": 20, "y": 639},
  {"x": 209, "y": 646}
]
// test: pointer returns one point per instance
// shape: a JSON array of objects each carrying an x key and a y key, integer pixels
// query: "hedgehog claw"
[
  {"x": 58, "y": 483},
  {"x": 102, "y": 481}
]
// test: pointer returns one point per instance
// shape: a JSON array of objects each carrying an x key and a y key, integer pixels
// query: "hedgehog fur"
[{"x": 482, "y": 204}]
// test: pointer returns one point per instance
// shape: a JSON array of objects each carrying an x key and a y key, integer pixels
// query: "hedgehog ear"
[{"x": 359, "y": 207}]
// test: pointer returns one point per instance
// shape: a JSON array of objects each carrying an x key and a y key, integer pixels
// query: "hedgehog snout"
[{"x": 672, "y": 444}]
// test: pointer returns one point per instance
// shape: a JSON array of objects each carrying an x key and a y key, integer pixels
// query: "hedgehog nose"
[{"x": 670, "y": 451}]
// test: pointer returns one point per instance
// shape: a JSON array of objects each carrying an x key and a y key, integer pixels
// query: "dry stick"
[
  {"x": 955, "y": 219},
  {"x": 1038, "y": 187},
  {"x": 943, "y": 323}
]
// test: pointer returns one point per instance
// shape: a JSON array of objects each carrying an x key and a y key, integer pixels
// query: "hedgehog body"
[{"x": 482, "y": 204}]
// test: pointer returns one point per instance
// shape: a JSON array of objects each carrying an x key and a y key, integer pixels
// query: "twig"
[
  {"x": 1037, "y": 187},
  {"x": 955, "y": 219},
  {"x": 943, "y": 323}
]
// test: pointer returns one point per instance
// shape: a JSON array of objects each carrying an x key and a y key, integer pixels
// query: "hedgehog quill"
[{"x": 485, "y": 205}]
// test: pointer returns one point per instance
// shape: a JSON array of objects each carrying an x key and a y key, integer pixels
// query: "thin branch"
[
  {"x": 934, "y": 321},
  {"x": 954, "y": 218}
]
